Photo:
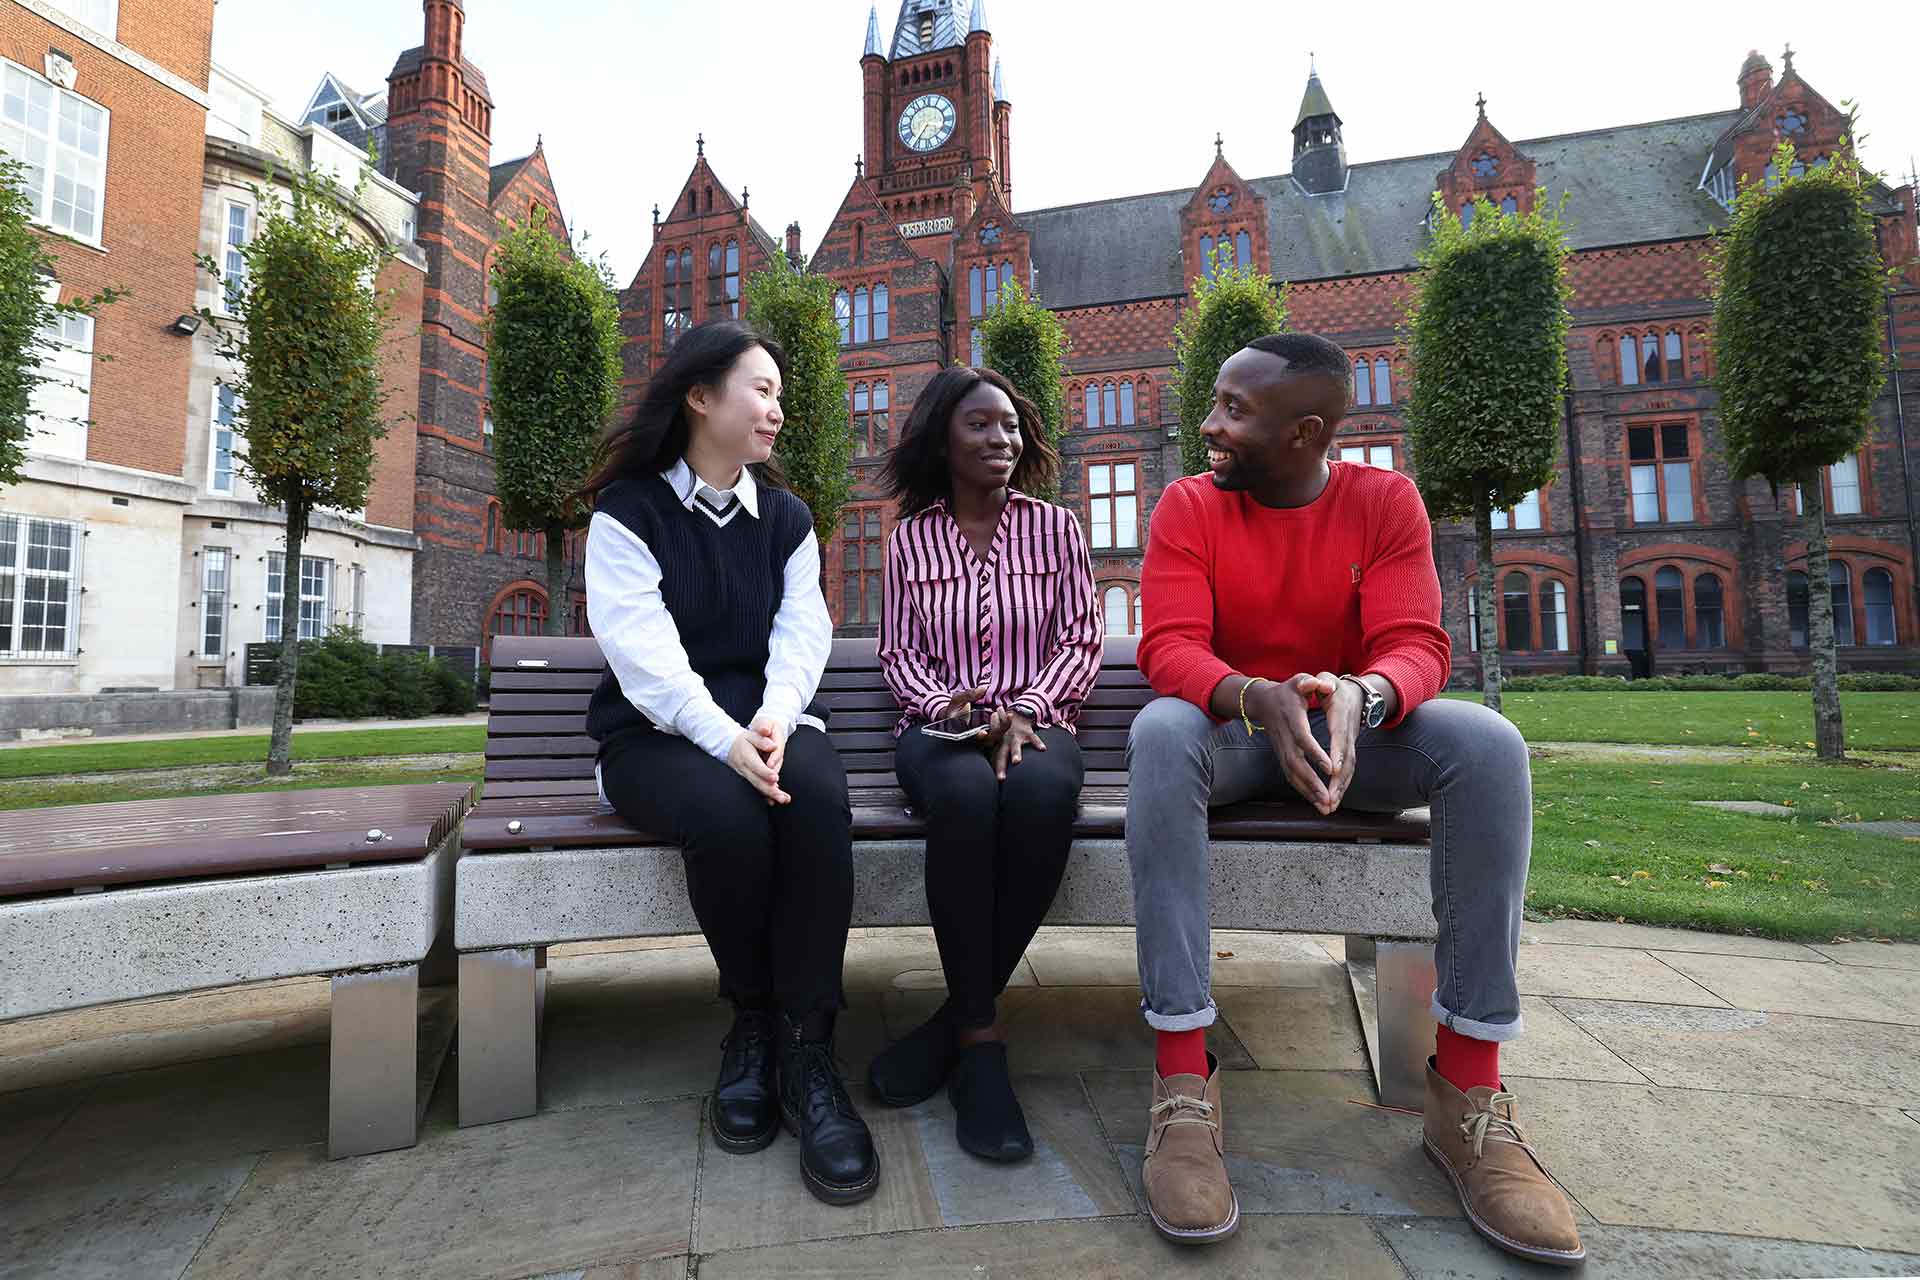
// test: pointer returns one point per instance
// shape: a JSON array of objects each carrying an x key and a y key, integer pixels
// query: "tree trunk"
[
  {"x": 280, "y": 745},
  {"x": 1489, "y": 611},
  {"x": 559, "y": 600},
  {"x": 1829, "y": 733}
]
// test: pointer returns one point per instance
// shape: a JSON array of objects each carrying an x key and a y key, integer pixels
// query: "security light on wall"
[{"x": 186, "y": 326}]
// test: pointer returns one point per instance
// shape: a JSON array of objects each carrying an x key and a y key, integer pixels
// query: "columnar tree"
[
  {"x": 1025, "y": 341},
  {"x": 1798, "y": 288},
  {"x": 304, "y": 337},
  {"x": 1231, "y": 307},
  {"x": 1487, "y": 332},
  {"x": 815, "y": 446},
  {"x": 553, "y": 350},
  {"x": 27, "y": 318}
]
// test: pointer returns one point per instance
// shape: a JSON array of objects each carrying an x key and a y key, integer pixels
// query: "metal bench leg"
[
  {"x": 1392, "y": 989},
  {"x": 500, "y": 1005},
  {"x": 373, "y": 1071}
]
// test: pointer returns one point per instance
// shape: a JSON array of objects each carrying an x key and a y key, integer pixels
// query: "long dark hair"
[
  {"x": 917, "y": 472},
  {"x": 656, "y": 436}
]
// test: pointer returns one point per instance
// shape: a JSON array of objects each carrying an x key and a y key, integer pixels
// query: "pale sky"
[{"x": 1115, "y": 98}]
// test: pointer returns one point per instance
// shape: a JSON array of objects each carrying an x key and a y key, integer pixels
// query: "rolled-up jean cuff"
[
  {"x": 1495, "y": 1031},
  {"x": 1180, "y": 1021}
]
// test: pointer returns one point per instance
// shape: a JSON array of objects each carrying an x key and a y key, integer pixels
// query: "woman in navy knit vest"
[{"x": 703, "y": 586}]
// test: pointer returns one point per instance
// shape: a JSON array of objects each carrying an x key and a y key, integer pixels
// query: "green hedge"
[
  {"x": 344, "y": 678},
  {"x": 1754, "y": 682}
]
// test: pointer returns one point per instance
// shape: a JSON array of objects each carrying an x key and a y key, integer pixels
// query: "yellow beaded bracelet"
[{"x": 1251, "y": 726}]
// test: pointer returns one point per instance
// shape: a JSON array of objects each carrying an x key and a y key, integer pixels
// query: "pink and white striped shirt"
[{"x": 1025, "y": 625}]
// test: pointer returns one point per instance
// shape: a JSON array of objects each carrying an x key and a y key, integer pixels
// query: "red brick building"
[{"x": 1641, "y": 545}]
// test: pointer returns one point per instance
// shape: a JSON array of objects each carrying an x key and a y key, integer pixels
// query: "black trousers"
[
  {"x": 772, "y": 885},
  {"x": 995, "y": 854}
]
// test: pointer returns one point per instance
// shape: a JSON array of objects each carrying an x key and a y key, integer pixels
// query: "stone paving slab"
[
  {"x": 85, "y": 1044},
  {"x": 1757, "y": 808},
  {"x": 1112, "y": 1249},
  {"x": 1445, "y": 1250},
  {"x": 1297, "y": 1142},
  {"x": 28, "y": 1116},
  {"x": 1556, "y": 1047},
  {"x": 115, "y": 1220},
  {"x": 1817, "y": 990},
  {"x": 1640, "y": 937},
  {"x": 1073, "y": 1172},
  {"x": 1061, "y": 1029},
  {"x": 1106, "y": 958},
  {"x": 1700, "y": 1161},
  {"x": 1606, "y": 973},
  {"x": 758, "y": 1199},
  {"x": 1297, "y": 1028},
  {"x": 651, "y": 1269},
  {"x": 1898, "y": 830},
  {"x": 1873, "y": 955},
  {"x": 559, "y": 1190},
  {"x": 1750, "y": 1052}
]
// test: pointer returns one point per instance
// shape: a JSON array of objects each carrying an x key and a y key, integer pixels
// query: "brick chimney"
[
  {"x": 1756, "y": 80},
  {"x": 793, "y": 243}
]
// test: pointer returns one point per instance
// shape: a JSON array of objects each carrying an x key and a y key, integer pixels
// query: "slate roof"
[
  {"x": 949, "y": 27},
  {"x": 1627, "y": 184},
  {"x": 1314, "y": 102},
  {"x": 501, "y": 174}
]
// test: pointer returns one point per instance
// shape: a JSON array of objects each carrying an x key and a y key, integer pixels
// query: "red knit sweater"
[{"x": 1344, "y": 584}]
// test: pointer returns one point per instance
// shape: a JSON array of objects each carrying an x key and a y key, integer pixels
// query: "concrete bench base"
[
  {"x": 511, "y": 906},
  {"x": 373, "y": 928}
]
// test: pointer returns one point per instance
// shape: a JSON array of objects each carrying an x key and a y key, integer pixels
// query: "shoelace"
[
  {"x": 822, "y": 1072},
  {"x": 1488, "y": 1123},
  {"x": 1178, "y": 1104}
]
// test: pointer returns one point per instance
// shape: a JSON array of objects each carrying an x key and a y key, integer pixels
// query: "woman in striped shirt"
[{"x": 989, "y": 605}]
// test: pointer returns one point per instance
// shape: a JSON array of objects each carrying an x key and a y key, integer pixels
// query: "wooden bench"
[
  {"x": 108, "y": 902},
  {"x": 548, "y": 863}
]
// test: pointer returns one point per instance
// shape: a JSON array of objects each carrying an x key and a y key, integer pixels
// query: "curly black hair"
[{"x": 917, "y": 472}]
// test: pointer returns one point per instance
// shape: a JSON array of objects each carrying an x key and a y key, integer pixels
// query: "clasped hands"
[
  {"x": 1009, "y": 732},
  {"x": 757, "y": 755},
  {"x": 1282, "y": 706}
]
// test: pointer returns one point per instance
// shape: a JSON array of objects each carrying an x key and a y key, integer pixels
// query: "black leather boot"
[
  {"x": 837, "y": 1159},
  {"x": 746, "y": 1098}
]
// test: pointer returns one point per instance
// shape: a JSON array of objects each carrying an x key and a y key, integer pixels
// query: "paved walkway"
[{"x": 1716, "y": 1106}]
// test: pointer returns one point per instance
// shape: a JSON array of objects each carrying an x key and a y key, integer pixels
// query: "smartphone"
[{"x": 968, "y": 724}]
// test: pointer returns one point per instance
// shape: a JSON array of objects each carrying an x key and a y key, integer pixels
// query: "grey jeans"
[{"x": 1467, "y": 762}]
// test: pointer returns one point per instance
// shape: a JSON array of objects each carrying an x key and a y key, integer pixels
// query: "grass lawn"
[
  {"x": 1621, "y": 841},
  {"x": 342, "y": 744},
  {"x": 37, "y": 793},
  {"x": 1875, "y": 721}
]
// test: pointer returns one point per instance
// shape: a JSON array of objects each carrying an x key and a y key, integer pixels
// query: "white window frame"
[
  {"x": 1526, "y": 513},
  {"x": 61, "y": 406},
  {"x": 215, "y": 429},
  {"x": 1107, "y": 609},
  {"x": 214, "y": 602},
  {"x": 1113, "y": 507},
  {"x": 81, "y": 11},
  {"x": 15, "y": 569},
  {"x": 1368, "y": 455},
  {"x": 1846, "y": 497},
  {"x": 274, "y": 628},
  {"x": 233, "y": 266},
  {"x": 52, "y": 150}
]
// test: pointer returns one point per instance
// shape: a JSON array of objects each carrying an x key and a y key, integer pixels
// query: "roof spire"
[
  {"x": 873, "y": 35},
  {"x": 1315, "y": 101},
  {"x": 859, "y": 167},
  {"x": 1312, "y": 70},
  {"x": 978, "y": 22},
  {"x": 700, "y": 144},
  {"x": 539, "y": 142},
  {"x": 1787, "y": 59},
  {"x": 1219, "y": 145},
  {"x": 1480, "y": 103},
  {"x": 999, "y": 83}
]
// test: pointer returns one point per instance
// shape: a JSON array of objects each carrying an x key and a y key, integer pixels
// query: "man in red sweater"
[{"x": 1293, "y": 625}]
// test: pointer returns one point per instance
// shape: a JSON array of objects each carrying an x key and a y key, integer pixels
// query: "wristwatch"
[{"x": 1373, "y": 707}]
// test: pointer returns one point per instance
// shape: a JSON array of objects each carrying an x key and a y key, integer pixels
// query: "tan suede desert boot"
[
  {"x": 1505, "y": 1190},
  {"x": 1186, "y": 1170}
]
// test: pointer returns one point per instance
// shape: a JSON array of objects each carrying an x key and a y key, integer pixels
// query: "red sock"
[
  {"x": 1181, "y": 1053},
  {"x": 1466, "y": 1063}
]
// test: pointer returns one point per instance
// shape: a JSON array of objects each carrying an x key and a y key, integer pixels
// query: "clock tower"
[{"x": 936, "y": 136}]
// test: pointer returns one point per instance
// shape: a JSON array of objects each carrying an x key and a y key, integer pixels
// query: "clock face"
[{"x": 927, "y": 122}]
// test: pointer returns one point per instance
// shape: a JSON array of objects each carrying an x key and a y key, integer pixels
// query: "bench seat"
[
  {"x": 112, "y": 902},
  {"x": 548, "y": 862}
]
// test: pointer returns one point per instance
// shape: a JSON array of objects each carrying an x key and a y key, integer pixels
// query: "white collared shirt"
[{"x": 642, "y": 645}]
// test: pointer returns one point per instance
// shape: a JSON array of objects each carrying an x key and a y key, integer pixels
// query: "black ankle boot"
[
  {"x": 837, "y": 1159},
  {"x": 987, "y": 1118},
  {"x": 746, "y": 1098},
  {"x": 913, "y": 1068}
]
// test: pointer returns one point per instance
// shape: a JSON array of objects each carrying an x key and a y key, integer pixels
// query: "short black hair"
[{"x": 1309, "y": 353}]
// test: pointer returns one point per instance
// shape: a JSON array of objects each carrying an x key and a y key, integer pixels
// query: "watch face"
[{"x": 927, "y": 122}]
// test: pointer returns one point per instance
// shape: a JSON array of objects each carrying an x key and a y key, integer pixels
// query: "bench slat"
[
  {"x": 505, "y": 748},
  {"x": 542, "y": 702},
  {"x": 558, "y": 681},
  {"x": 511, "y": 788}
]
